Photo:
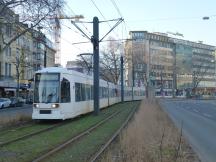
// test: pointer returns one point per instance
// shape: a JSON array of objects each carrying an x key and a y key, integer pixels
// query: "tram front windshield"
[{"x": 46, "y": 88}]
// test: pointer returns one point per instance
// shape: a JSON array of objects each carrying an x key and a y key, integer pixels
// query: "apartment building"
[{"x": 26, "y": 54}]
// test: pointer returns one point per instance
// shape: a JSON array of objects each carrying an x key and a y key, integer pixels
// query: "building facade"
[
  {"x": 168, "y": 64},
  {"x": 26, "y": 54}
]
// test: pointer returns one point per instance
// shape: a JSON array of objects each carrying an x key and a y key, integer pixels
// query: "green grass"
[
  {"x": 86, "y": 147},
  {"x": 15, "y": 133},
  {"x": 30, "y": 148}
]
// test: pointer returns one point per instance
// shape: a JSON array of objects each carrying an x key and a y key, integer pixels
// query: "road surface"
[
  {"x": 199, "y": 124},
  {"x": 16, "y": 111}
]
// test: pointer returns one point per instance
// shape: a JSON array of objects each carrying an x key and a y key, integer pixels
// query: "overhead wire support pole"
[
  {"x": 122, "y": 79},
  {"x": 95, "y": 41}
]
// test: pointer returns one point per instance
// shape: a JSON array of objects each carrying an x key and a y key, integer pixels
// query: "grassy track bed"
[
  {"x": 83, "y": 149},
  {"x": 15, "y": 133},
  {"x": 14, "y": 127},
  {"x": 28, "y": 149}
]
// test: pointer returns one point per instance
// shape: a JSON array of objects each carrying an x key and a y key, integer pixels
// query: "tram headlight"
[
  {"x": 55, "y": 105},
  {"x": 36, "y": 105}
]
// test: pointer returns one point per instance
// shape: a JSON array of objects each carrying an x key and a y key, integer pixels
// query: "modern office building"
[{"x": 168, "y": 64}]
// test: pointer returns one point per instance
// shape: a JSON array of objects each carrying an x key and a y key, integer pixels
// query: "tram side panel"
[{"x": 83, "y": 95}]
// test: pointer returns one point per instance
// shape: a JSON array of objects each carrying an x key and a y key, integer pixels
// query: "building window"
[
  {"x": 35, "y": 44},
  {"x": 0, "y": 69},
  {"x": 18, "y": 41},
  {"x": 6, "y": 69},
  {"x": 9, "y": 69},
  {"x": 17, "y": 52},
  {"x": 8, "y": 30},
  {"x": 34, "y": 56},
  {"x": 35, "y": 67},
  {"x": 8, "y": 51}
]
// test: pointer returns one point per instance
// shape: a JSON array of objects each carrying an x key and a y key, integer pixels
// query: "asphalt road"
[
  {"x": 14, "y": 111},
  {"x": 199, "y": 124}
]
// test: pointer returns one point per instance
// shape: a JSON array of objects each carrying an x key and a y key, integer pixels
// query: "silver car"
[{"x": 4, "y": 102}]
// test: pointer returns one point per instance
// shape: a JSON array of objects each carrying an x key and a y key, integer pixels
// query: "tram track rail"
[
  {"x": 28, "y": 135},
  {"x": 73, "y": 139},
  {"x": 60, "y": 153},
  {"x": 97, "y": 155},
  {"x": 31, "y": 134},
  {"x": 5, "y": 130},
  {"x": 46, "y": 144}
]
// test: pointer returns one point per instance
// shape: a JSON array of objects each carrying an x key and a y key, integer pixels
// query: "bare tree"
[
  {"x": 200, "y": 72},
  {"x": 138, "y": 62},
  {"x": 35, "y": 13},
  {"x": 20, "y": 64},
  {"x": 85, "y": 61},
  {"x": 110, "y": 62}
]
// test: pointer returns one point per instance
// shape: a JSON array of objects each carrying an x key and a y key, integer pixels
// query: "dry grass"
[
  {"x": 151, "y": 137},
  {"x": 13, "y": 120}
]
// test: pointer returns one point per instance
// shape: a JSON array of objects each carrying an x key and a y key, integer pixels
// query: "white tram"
[{"x": 61, "y": 94}]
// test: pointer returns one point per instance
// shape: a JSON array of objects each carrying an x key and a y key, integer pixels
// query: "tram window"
[
  {"x": 92, "y": 92},
  {"x": 105, "y": 92},
  {"x": 83, "y": 92},
  {"x": 116, "y": 93},
  {"x": 100, "y": 92},
  {"x": 113, "y": 92},
  {"x": 77, "y": 92},
  {"x": 88, "y": 92},
  {"x": 65, "y": 91}
]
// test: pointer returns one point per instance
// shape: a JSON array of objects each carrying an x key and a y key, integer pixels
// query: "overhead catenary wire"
[
  {"x": 127, "y": 29},
  {"x": 73, "y": 30},
  {"x": 81, "y": 50},
  {"x": 105, "y": 20},
  {"x": 116, "y": 7},
  {"x": 100, "y": 21},
  {"x": 82, "y": 24},
  {"x": 119, "y": 21},
  {"x": 83, "y": 33},
  {"x": 107, "y": 40},
  {"x": 165, "y": 19}
]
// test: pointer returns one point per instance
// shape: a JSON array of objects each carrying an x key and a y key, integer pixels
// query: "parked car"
[
  {"x": 16, "y": 102},
  {"x": 4, "y": 102}
]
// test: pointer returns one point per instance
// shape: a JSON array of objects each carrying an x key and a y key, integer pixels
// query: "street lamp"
[
  {"x": 208, "y": 17},
  {"x": 205, "y": 18}
]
